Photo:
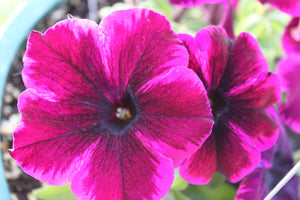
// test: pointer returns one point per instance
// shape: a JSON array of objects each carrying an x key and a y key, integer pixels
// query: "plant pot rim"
[{"x": 12, "y": 36}]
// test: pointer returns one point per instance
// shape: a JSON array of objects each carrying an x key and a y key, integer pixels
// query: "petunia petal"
[
  {"x": 58, "y": 166},
  {"x": 45, "y": 118},
  {"x": 200, "y": 167},
  {"x": 291, "y": 7},
  {"x": 51, "y": 145},
  {"x": 261, "y": 92},
  {"x": 290, "y": 113},
  {"x": 214, "y": 45},
  {"x": 237, "y": 157},
  {"x": 144, "y": 49},
  {"x": 63, "y": 65},
  {"x": 122, "y": 168},
  {"x": 178, "y": 99},
  {"x": 267, "y": 156},
  {"x": 288, "y": 71},
  {"x": 256, "y": 124},
  {"x": 291, "y": 37},
  {"x": 196, "y": 59},
  {"x": 245, "y": 65},
  {"x": 253, "y": 186}
]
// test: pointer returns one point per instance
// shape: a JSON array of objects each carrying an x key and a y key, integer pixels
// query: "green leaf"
[
  {"x": 161, "y": 6},
  {"x": 179, "y": 184},
  {"x": 179, "y": 196},
  {"x": 217, "y": 180},
  {"x": 216, "y": 189},
  {"x": 205, "y": 192},
  {"x": 54, "y": 193}
]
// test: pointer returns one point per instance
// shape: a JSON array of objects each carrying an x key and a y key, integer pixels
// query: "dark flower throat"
[
  {"x": 219, "y": 104},
  {"x": 122, "y": 115}
]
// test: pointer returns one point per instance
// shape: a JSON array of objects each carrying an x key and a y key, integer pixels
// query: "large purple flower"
[
  {"x": 291, "y": 7},
  {"x": 288, "y": 70},
  {"x": 275, "y": 163},
  {"x": 107, "y": 107},
  {"x": 291, "y": 37},
  {"x": 239, "y": 88}
]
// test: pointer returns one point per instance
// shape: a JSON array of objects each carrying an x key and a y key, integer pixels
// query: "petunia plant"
[
  {"x": 239, "y": 88},
  {"x": 114, "y": 108}
]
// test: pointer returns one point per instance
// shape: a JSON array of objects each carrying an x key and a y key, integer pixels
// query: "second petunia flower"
[
  {"x": 239, "y": 88},
  {"x": 107, "y": 107}
]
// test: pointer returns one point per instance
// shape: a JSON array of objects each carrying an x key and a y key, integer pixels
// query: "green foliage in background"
[
  {"x": 54, "y": 193},
  {"x": 265, "y": 24}
]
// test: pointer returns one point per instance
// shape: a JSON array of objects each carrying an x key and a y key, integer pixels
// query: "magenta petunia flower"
[
  {"x": 288, "y": 70},
  {"x": 291, "y": 37},
  {"x": 291, "y": 7},
  {"x": 108, "y": 107},
  {"x": 275, "y": 164},
  {"x": 239, "y": 87}
]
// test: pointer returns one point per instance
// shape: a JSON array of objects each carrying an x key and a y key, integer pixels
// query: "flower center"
[
  {"x": 219, "y": 104},
  {"x": 123, "y": 113}
]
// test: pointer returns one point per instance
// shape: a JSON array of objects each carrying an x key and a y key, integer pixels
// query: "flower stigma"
[{"x": 123, "y": 113}]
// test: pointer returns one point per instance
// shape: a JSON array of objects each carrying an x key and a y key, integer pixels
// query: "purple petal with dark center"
[{"x": 235, "y": 74}]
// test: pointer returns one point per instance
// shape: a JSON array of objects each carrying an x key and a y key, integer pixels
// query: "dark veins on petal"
[{"x": 123, "y": 114}]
